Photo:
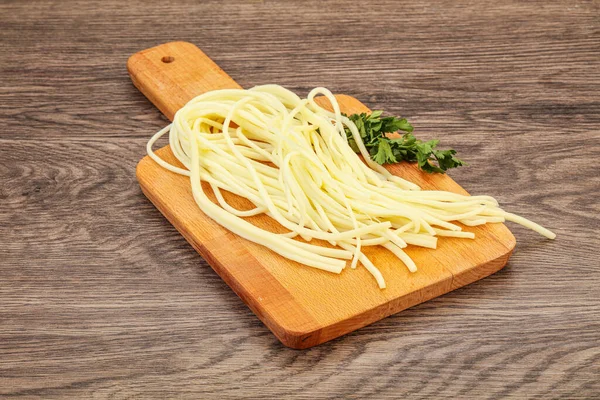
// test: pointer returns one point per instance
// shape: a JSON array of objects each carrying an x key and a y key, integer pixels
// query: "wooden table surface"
[{"x": 100, "y": 297}]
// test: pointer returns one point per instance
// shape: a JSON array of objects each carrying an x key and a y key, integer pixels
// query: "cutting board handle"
[{"x": 172, "y": 74}]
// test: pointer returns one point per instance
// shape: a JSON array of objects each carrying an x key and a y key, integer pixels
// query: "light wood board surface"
[
  {"x": 302, "y": 306},
  {"x": 101, "y": 298}
]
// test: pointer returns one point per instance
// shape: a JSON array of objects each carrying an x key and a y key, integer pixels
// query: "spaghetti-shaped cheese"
[{"x": 291, "y": 159}]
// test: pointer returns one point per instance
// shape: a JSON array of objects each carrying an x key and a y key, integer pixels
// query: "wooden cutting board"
[{"x": 302, "y": 306}]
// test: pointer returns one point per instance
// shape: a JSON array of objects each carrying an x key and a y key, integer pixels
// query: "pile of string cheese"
[{"x": 291, "y": 159}]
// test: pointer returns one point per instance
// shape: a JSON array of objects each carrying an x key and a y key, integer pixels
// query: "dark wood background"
[{"x": 100, "y": 297}]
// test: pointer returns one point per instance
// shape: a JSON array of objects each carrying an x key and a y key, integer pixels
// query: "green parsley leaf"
[
  {"x": 383, "y": 154},
  {"x": 383, "y": 150}
]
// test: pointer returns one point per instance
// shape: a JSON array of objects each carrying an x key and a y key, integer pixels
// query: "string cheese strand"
[{"x": 291, "y": 159}]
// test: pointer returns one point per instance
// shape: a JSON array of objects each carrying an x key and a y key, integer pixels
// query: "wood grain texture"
[{"x": 92, "y": 303}]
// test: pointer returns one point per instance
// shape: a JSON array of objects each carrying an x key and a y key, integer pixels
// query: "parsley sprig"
[{"x": 384, "y": 150}]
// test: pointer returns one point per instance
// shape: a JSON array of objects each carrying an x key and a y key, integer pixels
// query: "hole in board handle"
[{"x": 167, "y": 59}]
